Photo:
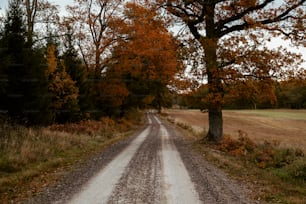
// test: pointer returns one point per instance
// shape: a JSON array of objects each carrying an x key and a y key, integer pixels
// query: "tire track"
[
  {"x": 100, "y": 187},
  {"x": 178, "y": 185}
]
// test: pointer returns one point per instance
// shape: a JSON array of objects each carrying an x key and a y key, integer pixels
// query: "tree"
[
  {"x": 38, "y": 11},
  {"x": 251, "y": 93},
  {"x": 26, "y": 80},
  {"x": 91, "y": 19},
  {"x": 62, "y": 87},
  {"x": 76, "y": 69},
  {"x": 292, "y": 93},
  {"x": 31, "y": 10},
  {"x": 13, "y": 43},
  {"x": 229, "y": 31},
  {"x": 145, "y": 57}
]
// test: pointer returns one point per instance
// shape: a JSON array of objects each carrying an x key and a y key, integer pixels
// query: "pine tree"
[
  {"x": 78, "y": 73},
  {"x": 24, "y": 67}
]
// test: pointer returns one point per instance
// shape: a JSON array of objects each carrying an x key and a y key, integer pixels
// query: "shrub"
[
  {"x": 240, "y": 147},
  {"x": 266, "y": 155},
  {"x": 269, "y": 155},
  {"x": 298, "y": 170}
]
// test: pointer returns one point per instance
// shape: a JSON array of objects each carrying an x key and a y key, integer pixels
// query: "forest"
[{"x": 106, "y": 58}]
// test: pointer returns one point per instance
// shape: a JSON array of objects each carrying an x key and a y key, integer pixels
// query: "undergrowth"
[
  {"x": 29, "y": 153},
  {"x": 282, "y": 169},
  {"x": 266, "y": 155}
]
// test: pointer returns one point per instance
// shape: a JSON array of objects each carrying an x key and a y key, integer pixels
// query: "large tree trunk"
[
  {"x": 215, "y": 131},
  {"x": 215, "y": 87},
  {"x": 215, "y": 97}
]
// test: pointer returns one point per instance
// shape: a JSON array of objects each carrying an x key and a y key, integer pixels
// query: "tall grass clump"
[
  {"x": 28, "y": 152},
  {"x": 21, "y": 146}
]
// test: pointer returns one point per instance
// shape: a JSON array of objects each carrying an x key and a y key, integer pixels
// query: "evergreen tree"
[
  {"x": 24, "y": 67},
  {"x": 3, "y": 74},
  {"x": 77, "y": 71}
]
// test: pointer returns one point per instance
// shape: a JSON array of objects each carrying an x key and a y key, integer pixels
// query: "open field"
[{"x": 286, "y": 127}]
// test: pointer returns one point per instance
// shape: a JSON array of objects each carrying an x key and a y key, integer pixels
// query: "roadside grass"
[
  {"x": 275, "y": 174},
  {"x": 33, "y": 158}
]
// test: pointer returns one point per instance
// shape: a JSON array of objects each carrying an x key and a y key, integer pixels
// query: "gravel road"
[{"x": 156, "y": 165}]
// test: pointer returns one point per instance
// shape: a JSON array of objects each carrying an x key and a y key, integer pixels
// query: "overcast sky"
[{"x": 63, "y": 3}]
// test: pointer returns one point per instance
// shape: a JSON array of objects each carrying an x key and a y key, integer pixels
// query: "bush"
[
  {"x": 297, "y": 170},
  {"x": 266, "y": 155},
  {"x": 269, "y": 155},
  {"x": 241, "y": 147}
]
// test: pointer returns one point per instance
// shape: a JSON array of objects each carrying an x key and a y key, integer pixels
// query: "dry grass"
[
  {"x": 273, "y": 165},
  {"x": 32, "y": 158},
  {"x": 287, "y": 127}
]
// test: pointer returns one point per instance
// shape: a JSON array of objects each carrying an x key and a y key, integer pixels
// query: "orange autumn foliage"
[
  {"x": 147, "y": 50},
  {"x": 112, "y": 94}
]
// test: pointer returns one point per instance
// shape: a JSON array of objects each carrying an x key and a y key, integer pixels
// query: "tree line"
[
  {"x": 105, "y": 57},
  {"x": 288, "y": 94},
  {"x": 95, "y": 62}
]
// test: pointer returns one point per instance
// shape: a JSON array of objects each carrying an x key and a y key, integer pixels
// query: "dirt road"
[{"x": 155, "y": 166}]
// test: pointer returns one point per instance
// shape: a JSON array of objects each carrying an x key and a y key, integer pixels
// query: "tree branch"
[{"x": 281, "y": 17}]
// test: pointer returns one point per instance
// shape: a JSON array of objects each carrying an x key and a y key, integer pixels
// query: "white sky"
[{"x": 62, "y": 3}]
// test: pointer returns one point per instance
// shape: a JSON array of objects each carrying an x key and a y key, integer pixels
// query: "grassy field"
[
  {"x": 286, "y": 127},
  {"x": 263, "y": 148}
]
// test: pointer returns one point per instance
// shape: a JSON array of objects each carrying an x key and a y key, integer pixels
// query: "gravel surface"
[
  {"x": 156, "y": 168},
  {"x": 142, "y": 180}
]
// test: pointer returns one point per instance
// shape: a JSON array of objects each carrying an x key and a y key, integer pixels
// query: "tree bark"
[
  {"x": 215, "y": 131},
  {"x": 215, "y": 88},
  {"x": 214, "y": 74}
]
